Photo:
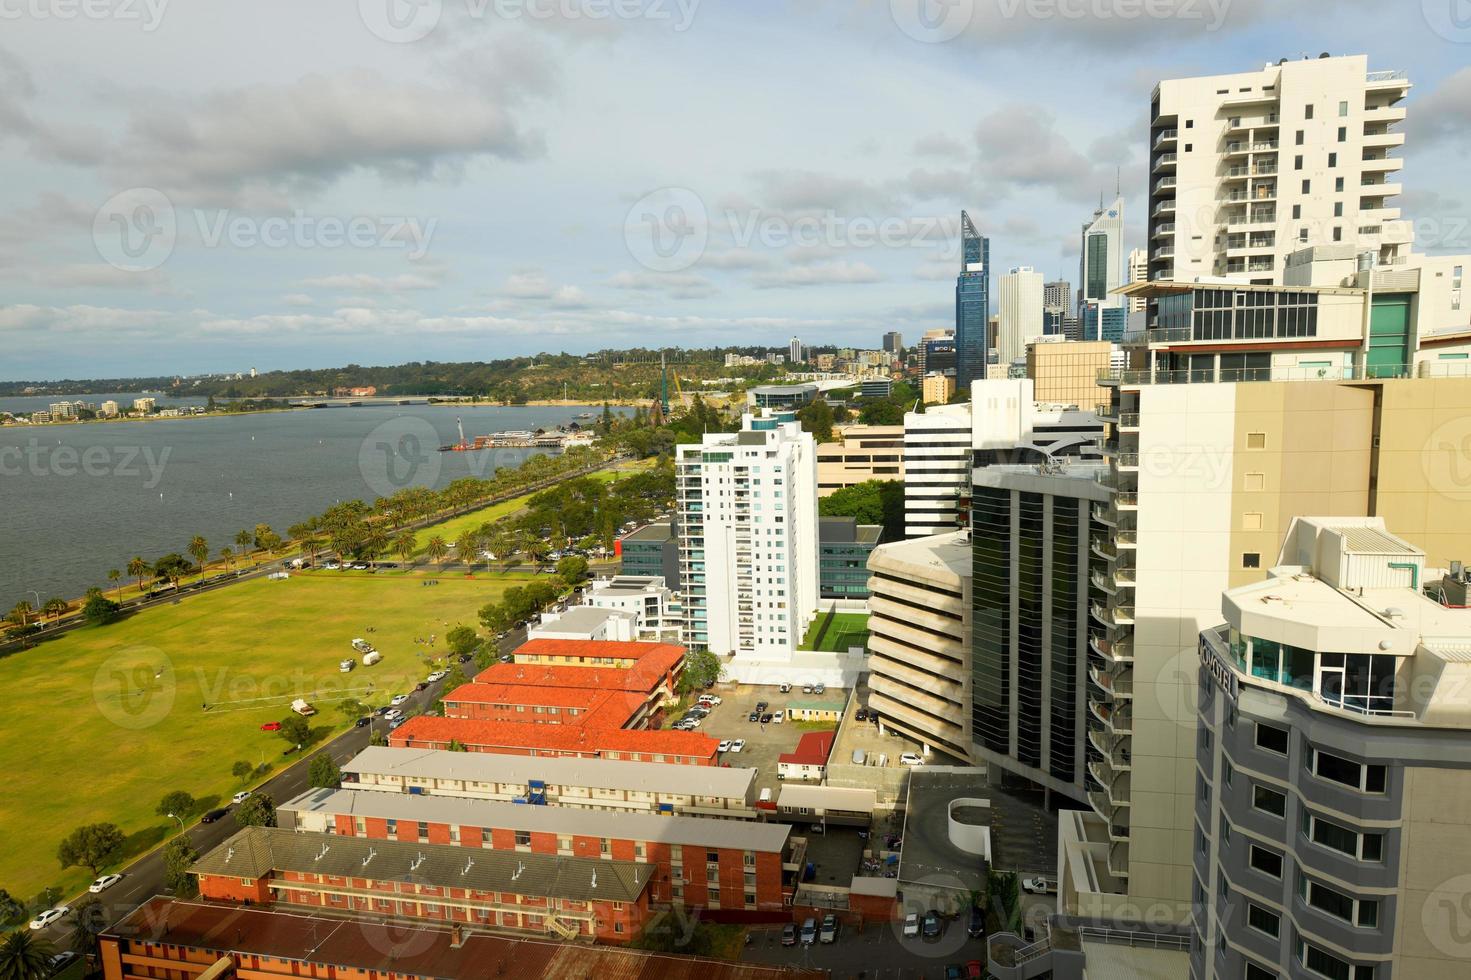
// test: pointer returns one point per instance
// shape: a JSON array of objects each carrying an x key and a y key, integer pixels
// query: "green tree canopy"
[
  {"x": 294, "y": 729},
  {"x": 462, "y": 639},
  {"x": 92, "y": 846},
  {"x": 258, "y": 810},
  {"x": 323, "y": 773},
  {"x": 24, "y": 955},
  {"x": 178, "y": 857},
  {"x": 177, "y": 804},
  {"x": 871, "y": 502}
]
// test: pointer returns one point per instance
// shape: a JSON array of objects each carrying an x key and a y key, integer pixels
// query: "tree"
[
  {"x": 198, "y": 550},
  {"x": 178, "y": 857},
  {"x": 54, "y": 607},
  {"x": 20, "y": 613},
  {"x": 817, "y": 418},
  {"x": 242, "y": 769},
  {"x": 455, "y": 746},
  {"x": 11, "y": 908},
  {"x": 353, "y": 708},
  {"x": 323, "y": 773},
  {"x": 882, "y": 411},
  {"x": 92, "y": 846},
  {"x": 25, "y": 956},
  {"x": 138, "y": 569},
  {"x": 175, "y": 804},
  {"x": 462, "y": 639},
  {"x": 100, "y": 611},
  {"x": 406, "y": 544},
  {"x": 244, "y": 540},
  {"x": 870, "y": 502},
  {"x": 225, "y": 556},
  {"x": 495, "y": 617},
  {"x": 436, "y": 549},
  {"x": 89, "y": 919},
  {"x": 258, "y": 810},
  {"x": 294, "y": 729},
  {"x": 572, "y": 569},
  {"x": 701, "y": 668},
  {"x": 115, "y": 577},
  {"x": 172, "y": 567},
  {"x": 265, "y": 539}
]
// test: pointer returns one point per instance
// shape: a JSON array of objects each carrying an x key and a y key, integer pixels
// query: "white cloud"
[
  {"x": 370, "y": 283},
  {"x": 818, "y": 274}
]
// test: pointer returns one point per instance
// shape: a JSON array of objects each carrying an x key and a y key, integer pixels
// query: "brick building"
[
  {"x": 556, "y": 741},
  {"x": 697, "y": 862}
]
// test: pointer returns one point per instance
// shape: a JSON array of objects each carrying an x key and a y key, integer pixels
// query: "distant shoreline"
[{"x": 438, "y": 400}]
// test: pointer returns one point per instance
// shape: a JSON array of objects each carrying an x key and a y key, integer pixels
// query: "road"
[{"x": 144, "y": 878}]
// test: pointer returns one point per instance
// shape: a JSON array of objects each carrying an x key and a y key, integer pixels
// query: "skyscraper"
[
  {"x": 1247, "y": 167},
  {"x": 1019, "y": 307},
  {"x": 972, "y": 304},
  {"x": 1138, "y": 272},
  {"x": 1100, "y": 259},
  {"x": 1057, "y": 295},
  {"x": 893, "y": 342},
  {"x": 795, "y": 354}
]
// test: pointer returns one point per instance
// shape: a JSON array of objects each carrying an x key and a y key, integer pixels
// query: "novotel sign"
[{"x": 1222, "y": 672}]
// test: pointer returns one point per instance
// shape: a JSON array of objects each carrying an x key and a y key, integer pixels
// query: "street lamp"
[{"x": 181, "y": 823}]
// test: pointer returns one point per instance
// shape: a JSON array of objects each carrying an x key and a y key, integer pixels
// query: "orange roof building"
[{"x": 573, "y": 741}]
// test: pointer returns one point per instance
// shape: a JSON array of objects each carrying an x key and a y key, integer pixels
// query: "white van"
[{"x": 766, "y": 795}]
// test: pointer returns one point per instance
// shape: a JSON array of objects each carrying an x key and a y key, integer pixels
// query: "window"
[
  {"x": 1227, "y": 772},
  {"x": 1342, "y": 109},
  {"x": 1338, "y": 186},
  {"x": 1307, "y": 112},
  {"x": 1297, "y": 212},
  {"x": 1338, "y": 234},
  {"x": 1338, "y": 208},
  {"x": 1268, "y": 801},
  {"x": 1362, "y": 912},
  {"x": 1225, "y": 836},
  {"x": 1254, "y": 972},
  {"x": 1299, "y": 140},
  {"x": 1325, "y": 964},
  {"x": 1251, "y": 559},
  {"x": 1256, "y": 440},
  {"x": 1365, "y": 847},
  {"x": 1297, "y": 162},
  {"x": 1265, "y": 861},
  {"x": 1251, "y": 521},
  {"x": 1262, "y": 920},
  {"x": 523, "y": 838},
  {"x": 1368, "y": 778},
  {"x": 1343, "y": 134},
  {"x": 1274, "y": 739},
  {"x": 1307, "y": 187},
  {"x": 1333, "y": 159}
]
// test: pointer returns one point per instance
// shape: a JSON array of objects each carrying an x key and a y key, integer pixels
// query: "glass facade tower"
[{"x": 972, "y": 304}]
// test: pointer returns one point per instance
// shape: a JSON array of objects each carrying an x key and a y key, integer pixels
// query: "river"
[{"x": 77, "y": 500}]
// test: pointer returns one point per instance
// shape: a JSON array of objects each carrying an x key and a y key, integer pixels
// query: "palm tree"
[
  {"x": 244, "y": 541},
  {"x": 114, "y": 576},
  {"x": 54, "y": 607},
  {"x": 226, "y": 555},
  {"x": 24, "y": 956},
  {"x": 138, "y": 569},
  {"x": 199, "y": 550},
  {"x": 436, "y": 549},
  {"x": 20, "y": 614},
  {"x": 406, "y": 544}
]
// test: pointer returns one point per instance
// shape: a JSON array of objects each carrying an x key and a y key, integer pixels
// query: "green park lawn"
[
  {"x": 836, "y": 632},
  {"x": 102, "y": 722}
]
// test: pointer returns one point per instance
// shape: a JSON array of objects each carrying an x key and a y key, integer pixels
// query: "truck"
[
  {"x": 361, "y": 645},
  {"x": 371, "y": 657},
  {"x": 301, "y": 707}
]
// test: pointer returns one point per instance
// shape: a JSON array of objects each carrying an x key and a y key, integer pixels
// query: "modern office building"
[
  {"x": 1033, "y": 580},
  {"x": 1104, "y": 322},
  {"x": 651, "y": 551},
  {"x": 1058, "y": 295},
  {"x": 937, "y": 356},
  {"x": 795, "y": 352},
  {"x": 1247, "y": 167},
  {"x": 748, "y": 539},
  {"x": 1101, "y": 260},
  {"x": 936, "y": 388},
  {"x": 843, "y": 547},
  {"x": 937, "y": 449},
  {"x": 764, "y": 397},
  {"x": 972, "y": 305},
  {"x": 1019, "y": 305},
  {"x": 918, "y": 628},
  {"x": 1067, "y": 373},
  {"x": 1205, "y": 476},
  {"x": 1138, "y": 272},
  {"x": 894, "y": 342},
  {"x": 875, "y": 387},
  {"x": 1332, "y": 767},
  {"x": 861, "y": 453}
]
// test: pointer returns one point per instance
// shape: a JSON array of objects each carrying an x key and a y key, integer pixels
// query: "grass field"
[
  {"x": 101, "y": 723},
  {"x": 836, "y": 632}
]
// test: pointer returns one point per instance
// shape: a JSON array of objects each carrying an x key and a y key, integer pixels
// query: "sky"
[{"x": 212, "y": 186}]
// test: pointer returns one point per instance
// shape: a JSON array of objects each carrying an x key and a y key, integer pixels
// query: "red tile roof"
[
  {"x": 525, "y": 694},
  {"x": 594, "y": 649},
  {"x": 644, "y": 676},
  {"x": 427, "y": 732},
  {"x": 812, "y": 749}
]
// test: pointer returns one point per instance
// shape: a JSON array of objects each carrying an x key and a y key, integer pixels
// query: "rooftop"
[
  {"x": 827, "y": 798},
  {"x": 929, "y": 854},
  {"x": 598, "y": 649},
  {"x": 490, "y": 767},
  {"x": 580, "y": 619},
  {"x": 946, "y": 554},
  {"x": 641, "y": 677},
  {"x": 259, "y": 851},
  {"x": 554, "y": 738},
  {"x": 652, "y": 533},
  {"x": 478, "y": 692},
  {"x": 812, "y": 749},
  {"x": 370, "y": 946},
  {"x": 572, "y": 821}
]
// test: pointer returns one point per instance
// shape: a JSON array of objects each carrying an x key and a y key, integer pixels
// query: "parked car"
[
  {"x": 975, "y": 923},
  {"x": 214, "y": 815},
  {"x": 862, "y": 714},
  {"x": 754, "y": 716},
  {"x": 806, "y": 688},
  {"x": 789, "y": 934},
  {"x": 910, "y": 759},
  {"x": 762, "y": 706},
  {"x": 778, "y": 717},
  {"x": 819, "y": 688},
  {"x": 709, "y": 699},
  {"x": 398, "y": 699},
  {"x": 271, "y": 726},
  {"x": 911, "y": 925},
  {"x": 766, "y": 718},
  {"x": 436, "y": 677},
  {"x": 1039, "y": 885},
  {"x": 809, "y": 932},
  {"x": 785, "y": 688},
  {"x": 738, "y": 745},
  {"x": 724, "y": 745},
  {"x": 62, "y": 960},
  {"x": 52, "y": 915},
  {"x": 241, "y": 796},
  {"x": 829, "y": 931},
  {"x": 104, "y": 883},
  {"x": 974, "y": 970},
  {"x": 954, "y": 971},
  {"x": 933, "y": 925},
  {"x": 393, "y": 725},
  {"x": 362, "y": 723},
  {"x": 393, "y": 714},
  {"x": 697, "y": 712},
  {"x": 421, "y": 686}
]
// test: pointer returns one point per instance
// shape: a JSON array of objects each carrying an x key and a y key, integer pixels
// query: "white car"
[
  {"x": 360, "y": 567},
  {"x": 724, "y": 745},
  {"x": 49, "y": 916},
  {"x": 1039, "y": 885},
  {"x": 435, "y": 677},
  {"x": 737, "y": 745},
  {"x": 392, "y": 714},
  {"x": 911, "y": 925},
  {"x": 709, "y": 699},
  {"x": 104, "y": 883},
  {"x": 398, "y": 699},
  {"x": 241, "y": 796},
  {"x": 910, "y": 759},
  {"x": 331, "y": 566}
]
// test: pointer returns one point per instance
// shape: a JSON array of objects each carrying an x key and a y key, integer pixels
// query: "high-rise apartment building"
[
  {"x": 748, "y": 539},
  {"x": 1332, "y": 766},
  {"x": 1245, "y": 168},
  {"x": 1058, "y": 295},
  {"x": 1138, "y": 272},
  {"x": 936, "y": 388},
  {"x": 1067, "y": 373},
  {"x": 795, "y": 353},
  {"x": 937, "y": 448},
  {"x": 894, "y": 342},
  {"x": 972, "y": 304},
  {"x": 1019, "y": 312}
]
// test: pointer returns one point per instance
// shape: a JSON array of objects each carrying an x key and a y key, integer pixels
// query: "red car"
[{"x": 271, "y": 726}]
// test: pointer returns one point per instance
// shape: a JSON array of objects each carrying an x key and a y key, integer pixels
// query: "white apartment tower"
[
  {"x": 1019, "y": 300},
  {"x": 1245, "y": 168},
  {"x": 1138, "y": 272},
  {"x": 795, "y": 354},
  {"x": 748, "y": 538},
  {"x": 1101, "y": 257}
]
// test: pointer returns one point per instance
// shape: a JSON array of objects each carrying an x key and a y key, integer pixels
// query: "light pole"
[{"x": 181, "y": 824}]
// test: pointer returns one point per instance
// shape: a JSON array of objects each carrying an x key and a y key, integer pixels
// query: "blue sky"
[{"x": 213, "y": 186}]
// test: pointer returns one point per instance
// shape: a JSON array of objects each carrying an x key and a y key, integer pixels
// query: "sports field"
[
  {"x": 101, "y": 723},
  {"x": 836, "y": 632}
]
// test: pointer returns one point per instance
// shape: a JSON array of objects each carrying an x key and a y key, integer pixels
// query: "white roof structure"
[{"x": 828, "y": 798}]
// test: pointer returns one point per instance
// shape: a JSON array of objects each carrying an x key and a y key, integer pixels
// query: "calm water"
[{"x": 77, "y": 500}]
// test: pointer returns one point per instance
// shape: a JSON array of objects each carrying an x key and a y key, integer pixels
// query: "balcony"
[
  {"x": 1103, "y": 547},
  {"x": 1165, "y": 207},
  {"x": 1112, "y": 615},
  {"x": 1165, "y": 136},
  {"x": 1163, "y": 252},
  {"x": 1117, "y": 684},
  {"x": 1127, "y": 499},
  {"x": 1384, "y": 114},
  {"x": 1381, "y": 188},
  {"x": 1165, "y": 161},
  {"x": 1106, "y": 412},
  {"x": 1105, "y": 514},
  {"x": 1381, "y": 164},
  {"x": 1384, "y": 139},
  {"x": 1118, "y": 859},
  {"x": 1123, "y": 461},
  {"x": 1115, "y": 751},
  {"x": 1387, "y": 79},
  {"x": 1162, "y": 229},
  {"x": 1164, "y": 184},
  {"x": 1117, "y": 651}
]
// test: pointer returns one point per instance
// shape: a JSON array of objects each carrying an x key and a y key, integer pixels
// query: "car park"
[
  {"x": 104, "y": 883},
  {"x": 911, "y": 925},
  {"x": 789, "y": 934},
  {"x": 778, "y": 716},
  {"x": 933, "y": 926},
  {"x": 241, "y": 796},
  {"x": 829, "y": 931},
  {"x": 214, "y": 815},
  {"x": 809, "y": 932},
  {"x": 785, "y": 688},
  {"x": 709, "y": 699},
  {"x": 738, "y": 745},
  {"x": 766, "y": 718},
  {"x": 761, "y": 706},
  {"x": 806, "y": 688},
  {"x": 819, "y": 688},
  {"x": 1039, "y": 885},
  {"x": 49, "y": 916}
]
